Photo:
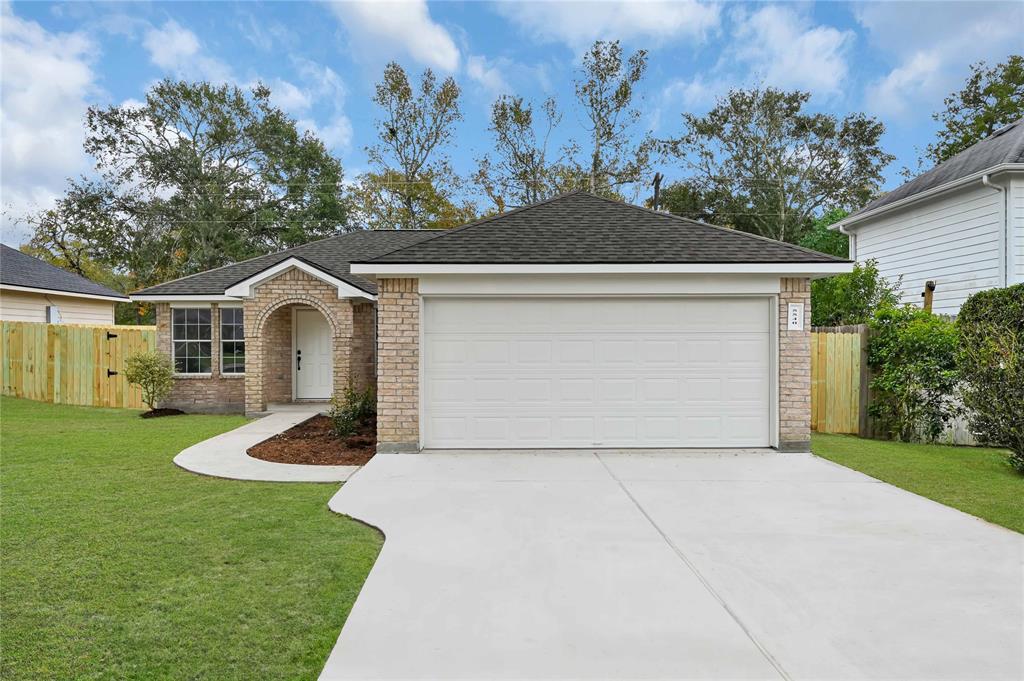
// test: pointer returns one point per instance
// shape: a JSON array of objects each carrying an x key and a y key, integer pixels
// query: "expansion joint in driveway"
[{"x": 693, "y": 568}]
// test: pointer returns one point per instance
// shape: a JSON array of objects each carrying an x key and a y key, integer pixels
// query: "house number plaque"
[{"x": 796, "y": 317}]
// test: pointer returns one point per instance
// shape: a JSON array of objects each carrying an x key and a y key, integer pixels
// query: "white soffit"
[{"x": 243, "y": 289}]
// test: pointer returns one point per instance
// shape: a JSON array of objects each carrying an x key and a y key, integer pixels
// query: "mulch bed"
[
  {"x": 157, "y": 413},
  {"x": 313, "y": 442}
]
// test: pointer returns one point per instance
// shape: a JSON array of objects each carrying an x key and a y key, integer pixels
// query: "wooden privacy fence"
[
  {"x": 839, "y": 380},
  {"x": 71, "y": 364}
]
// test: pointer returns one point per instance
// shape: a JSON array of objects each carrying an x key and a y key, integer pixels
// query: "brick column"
[
  {"x": 398, "y": 353},
  {"x": 794, "y": 369},
  {"x": 342, "y": 344}
]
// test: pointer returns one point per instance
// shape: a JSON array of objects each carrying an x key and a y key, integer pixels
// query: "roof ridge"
[{"x": 729, "y": 230}]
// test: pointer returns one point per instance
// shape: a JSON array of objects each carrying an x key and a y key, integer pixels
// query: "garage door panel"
[{"x": 596, "y": 372}]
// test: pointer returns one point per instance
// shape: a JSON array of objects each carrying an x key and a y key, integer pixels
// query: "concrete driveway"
[{"x": 624, "y": 565}]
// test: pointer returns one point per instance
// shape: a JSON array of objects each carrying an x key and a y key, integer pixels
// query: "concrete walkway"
[
  {"x": 671, "y": 565},
  {"x": 224, "y": 456}
]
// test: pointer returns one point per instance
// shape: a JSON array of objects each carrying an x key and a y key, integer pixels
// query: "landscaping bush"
[
  {"x": 991, "y": 327},
  {"x": 851, "y": 298},
  {"x": 352, "y": 410},
  {"x": 913, "y": 355},
  {"x": 153, "y": 373}
]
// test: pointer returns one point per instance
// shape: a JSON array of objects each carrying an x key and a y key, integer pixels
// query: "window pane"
[
  {"x": 203, "y": 349},
  {"x": 204, "y": 365},
  {"x": 179, "y": 364},
  {"x": 177, "y": 316},
  {"x": 179, "y": 332},
  {"x": 203, "y": 316},
  {"x": 204, "y": 331}
]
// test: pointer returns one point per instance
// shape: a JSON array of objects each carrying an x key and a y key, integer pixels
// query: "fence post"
[{"x": 865, "y": 427}]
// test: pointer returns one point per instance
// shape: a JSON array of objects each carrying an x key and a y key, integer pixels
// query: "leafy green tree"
[
  {"x": 685, "y": 200},
  {"x": 606, "y": 91},
  {"x": 852, "y": 298},
  {"x": 523, "y": 169},
  {"x": 412, "y": 184},
  {"x": 819, "y": 237},
  {"x": 196, "y": 177},
  {"x": 991, "y": 325},
  {"x": 768, "y": 167},
  {"x": 913, "y": 355},
  {"x": 990, "y": 98}
]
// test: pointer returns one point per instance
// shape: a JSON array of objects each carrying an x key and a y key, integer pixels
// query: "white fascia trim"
[
  {"x": 243, "y": 289},
  {"x": 789, "y": 269},
  {"x": 954, "y": 184},
  {"x": 70, "y": 294},
  {"x": 207, "y": 298}
]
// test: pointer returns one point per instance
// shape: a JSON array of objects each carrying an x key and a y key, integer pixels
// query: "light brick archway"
[{"x": 268, "y": 334}]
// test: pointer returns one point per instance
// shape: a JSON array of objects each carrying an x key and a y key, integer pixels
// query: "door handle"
[{"x": 298, "y": 360}]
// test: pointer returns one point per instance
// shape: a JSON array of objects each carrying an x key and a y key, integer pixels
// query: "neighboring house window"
[
  {"x": 191, "y": 336},
  {"x": 232, "y": 341}
]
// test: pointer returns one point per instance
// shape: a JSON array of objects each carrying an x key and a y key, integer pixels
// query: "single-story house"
[
  {"x": 574, "y": 322},
  {"x": 959, "y": 225},
  {"x": 35, "y": 291}
]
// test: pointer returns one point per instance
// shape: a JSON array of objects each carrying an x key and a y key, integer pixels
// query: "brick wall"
[
  {"x": 363, "y": 341},
  {"x": 398, "y": 322},
  {"x": 277, "y": 359},
  {"x": 794, "y": 369},
  {"x": 214, "y": 393},
  {"x": 265, "y": 348}
]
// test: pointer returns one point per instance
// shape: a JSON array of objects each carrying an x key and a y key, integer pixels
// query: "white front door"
[
  {"x": 313, "y": 363},
  {"x": 592, "y": 372}
]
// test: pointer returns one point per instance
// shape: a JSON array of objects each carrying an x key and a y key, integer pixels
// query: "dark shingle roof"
[
  {"x": 19, "y": 269},
  {"x": 1006, "y": 145},
  {"x": 582, "y": 228},
  {"x": 332, "y": 255}
]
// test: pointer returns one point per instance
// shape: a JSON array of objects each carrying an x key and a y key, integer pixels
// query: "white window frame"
[
  {"x": 222, "y": 341},
  {"x": 175, "y": 340}
]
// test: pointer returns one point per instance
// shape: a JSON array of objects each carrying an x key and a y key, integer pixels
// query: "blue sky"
[{"x": 894, "y": 60}]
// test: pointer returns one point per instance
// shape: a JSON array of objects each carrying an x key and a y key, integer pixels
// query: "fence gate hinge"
[
  {"x": 111, "y": 335},
  {"x": 111, "y": 372}
]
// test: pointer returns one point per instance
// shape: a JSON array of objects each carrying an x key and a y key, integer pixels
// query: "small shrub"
[
  {"x": 914, "y": 358},
  {"x": 991, "y": 325},
  {"x": 352, "y": 410},
  {"x": 153, "y": 373},
  {"x": 851, "y": 298}
]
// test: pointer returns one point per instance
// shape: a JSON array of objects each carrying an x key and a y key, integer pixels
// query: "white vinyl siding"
[
  {"x": 597, "y": 372},
  {"x": 26, "y": 306},
  {"x": 1016, "y": 207},
  {"x": 954, "y": 239}
]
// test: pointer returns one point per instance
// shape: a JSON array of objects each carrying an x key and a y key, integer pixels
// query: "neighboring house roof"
[
  {"x": 1004, "y": 146},
  {"x": 332, "y": 255},
  {"x": 23, "y": 271},
  {"x": 583, "y": 228}
]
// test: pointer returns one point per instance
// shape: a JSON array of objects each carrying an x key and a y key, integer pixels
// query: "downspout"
[
  {"x": 1004, "y": 247},
  {"x": 852, "y": 241}
]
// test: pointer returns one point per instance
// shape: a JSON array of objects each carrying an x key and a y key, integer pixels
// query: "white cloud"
[
  {"x": 487, "y": 74},
  {"x": 320, "y": 86},
  {"x": 577, "y": 24},
  {"x": 785, "y": 49},
  {"x": 45, "y": 82},
  {"x": 178, "y": 51},
  {"x": 390, "y": 29},
  {"x": 931, "y": 50}
]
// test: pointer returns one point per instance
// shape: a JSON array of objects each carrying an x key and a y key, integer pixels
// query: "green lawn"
[
  {"x": 975, "y": 480},
  {"x": 117, "y": 564}
]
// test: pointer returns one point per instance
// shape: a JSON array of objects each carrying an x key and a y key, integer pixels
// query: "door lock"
[{"x": 298, "y": 360}]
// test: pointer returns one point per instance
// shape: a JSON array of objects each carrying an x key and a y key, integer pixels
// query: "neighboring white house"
[
  {"x": 960, "y": 225},
  {"x": 35, "y": 291}
]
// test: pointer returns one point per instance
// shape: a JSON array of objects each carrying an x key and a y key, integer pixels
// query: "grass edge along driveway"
[
  {"x": 975, "y": 480},
  {"x": 118, "y": 564}
]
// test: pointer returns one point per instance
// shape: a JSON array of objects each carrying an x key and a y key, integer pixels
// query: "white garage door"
[{"x": 596, "y": 372}]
